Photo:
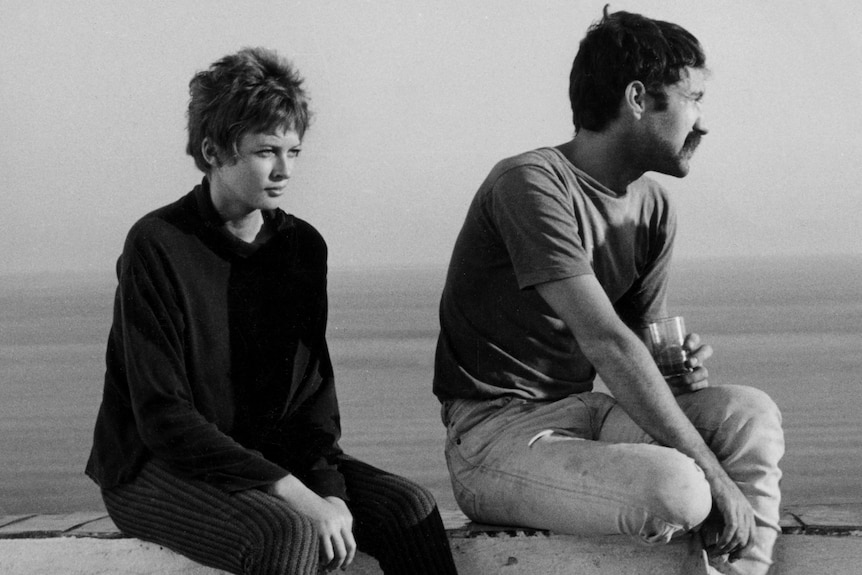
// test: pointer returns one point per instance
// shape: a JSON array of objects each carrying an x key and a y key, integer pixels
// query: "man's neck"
[{"x": 600, "y": 155}]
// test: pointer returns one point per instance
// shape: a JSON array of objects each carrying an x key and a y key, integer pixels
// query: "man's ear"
[
  {"x": 634, "y": 99},
  {"x": 210, "y": 152}
]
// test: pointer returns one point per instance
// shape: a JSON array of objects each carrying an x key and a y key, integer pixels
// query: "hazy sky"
[{"x": 414, "y": 101}]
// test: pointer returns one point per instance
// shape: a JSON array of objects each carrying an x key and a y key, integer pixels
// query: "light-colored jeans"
[{"x": 580, "y": 465}]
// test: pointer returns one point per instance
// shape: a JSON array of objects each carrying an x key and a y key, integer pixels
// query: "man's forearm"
[{"x": 628, "y": 370}]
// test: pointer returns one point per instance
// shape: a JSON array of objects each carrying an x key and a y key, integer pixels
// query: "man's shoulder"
[
  {"x": 534, "y": 167},
  {"x": 546, "y": 158}
]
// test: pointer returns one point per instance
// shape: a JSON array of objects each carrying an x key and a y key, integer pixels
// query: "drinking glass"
[{"x": 666, "y": 338}]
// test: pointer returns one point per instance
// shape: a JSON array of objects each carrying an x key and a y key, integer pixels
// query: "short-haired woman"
[{"x": 218, "y": 431}]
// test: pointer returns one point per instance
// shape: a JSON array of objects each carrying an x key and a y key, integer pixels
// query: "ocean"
[{"x": 789, "y": 326}]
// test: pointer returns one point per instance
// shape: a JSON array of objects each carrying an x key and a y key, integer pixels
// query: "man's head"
[
  {"x": 252, "y": 91},
  {"x": 622, "y": 48}
]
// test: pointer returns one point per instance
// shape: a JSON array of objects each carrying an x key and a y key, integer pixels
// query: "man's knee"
[
  {"x": 752, "y": 421},
  {"x": 750, "y": 403},
  {"x": 677, "y": 491}
]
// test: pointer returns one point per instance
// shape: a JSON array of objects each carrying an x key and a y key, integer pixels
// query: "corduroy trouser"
[{"x": 250, "y": 532}]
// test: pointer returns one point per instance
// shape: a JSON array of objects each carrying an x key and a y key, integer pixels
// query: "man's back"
[{"x": 538, "y": 218}]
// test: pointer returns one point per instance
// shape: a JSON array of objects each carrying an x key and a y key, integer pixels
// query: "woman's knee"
[
  {"x": 373, "y": 490},
  {"x": 280, "y": 542},
  {"x": 409, "y": 503}
]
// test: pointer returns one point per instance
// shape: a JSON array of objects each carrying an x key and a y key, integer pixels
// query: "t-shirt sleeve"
[{"x": 535, "y": 217}]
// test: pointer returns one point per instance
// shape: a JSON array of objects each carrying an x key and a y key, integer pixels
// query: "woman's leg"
[
  {"x": 396, "y": 521},
  {"x": 247, "y": 532}
]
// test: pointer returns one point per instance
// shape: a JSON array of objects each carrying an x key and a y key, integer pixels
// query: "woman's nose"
[{"x": 282, "y": 168}]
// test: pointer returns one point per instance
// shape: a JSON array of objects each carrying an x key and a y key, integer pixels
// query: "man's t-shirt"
[{"x": 537, "y": 218}]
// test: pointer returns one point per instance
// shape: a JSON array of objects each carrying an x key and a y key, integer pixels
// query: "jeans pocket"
[{"x": 460, "y": 470}]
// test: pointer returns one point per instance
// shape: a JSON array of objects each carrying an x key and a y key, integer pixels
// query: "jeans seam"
[
  {"x": 613, "y": 499},
  {"x": 453, "y": 451}
]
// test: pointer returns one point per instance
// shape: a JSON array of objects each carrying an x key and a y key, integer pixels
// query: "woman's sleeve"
[
  {"x": 315, "y": 431},
  {"x": 167, "y": 418},
  {"x": 306, "y": 440}
]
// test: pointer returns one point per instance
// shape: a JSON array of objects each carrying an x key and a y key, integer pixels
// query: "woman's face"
[{"x": 256, "y": 178}]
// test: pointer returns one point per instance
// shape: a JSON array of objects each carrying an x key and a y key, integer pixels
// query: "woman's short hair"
[
  {"x": 620, "y": 48},
  {"x": 254, "y": 90}
]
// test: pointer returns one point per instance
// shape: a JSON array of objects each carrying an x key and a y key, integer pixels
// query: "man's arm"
[{"x": 630, "y": 373}]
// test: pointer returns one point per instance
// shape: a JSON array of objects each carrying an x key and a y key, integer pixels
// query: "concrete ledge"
[{"x": 817, "y": 539}]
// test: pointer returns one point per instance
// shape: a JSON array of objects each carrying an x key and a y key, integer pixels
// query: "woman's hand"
[
  {"x": 341, "y": 549},
  {"x": 330, "y": 517},
  {"x": 697, "y": 377}
]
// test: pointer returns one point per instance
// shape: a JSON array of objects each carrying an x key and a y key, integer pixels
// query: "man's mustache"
[{"x": 692, "y": 141}]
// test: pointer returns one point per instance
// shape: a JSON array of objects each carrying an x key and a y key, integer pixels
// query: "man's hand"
[
  {"x": 631, "y": 374},
  {"x": 330, "y": 517},
  {"x": 697, "y": 377},
  {"x": 737, "y": 532}
]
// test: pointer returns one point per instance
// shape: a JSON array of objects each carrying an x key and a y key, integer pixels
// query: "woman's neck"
[{"x": 249, "y": 228}]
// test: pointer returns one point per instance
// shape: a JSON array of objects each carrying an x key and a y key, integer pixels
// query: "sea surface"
[{"x": 789, "y": 326}]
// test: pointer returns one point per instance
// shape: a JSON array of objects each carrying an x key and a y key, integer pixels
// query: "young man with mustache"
[{"x": 562, "y": 260}]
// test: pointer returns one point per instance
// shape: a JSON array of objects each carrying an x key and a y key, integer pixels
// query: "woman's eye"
[{"x": 294, "y": 153}]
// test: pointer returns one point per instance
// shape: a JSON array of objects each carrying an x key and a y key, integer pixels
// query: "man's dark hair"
[
  {"x": 620, "y": 48},
  {"x": 254, "y": 90}
]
